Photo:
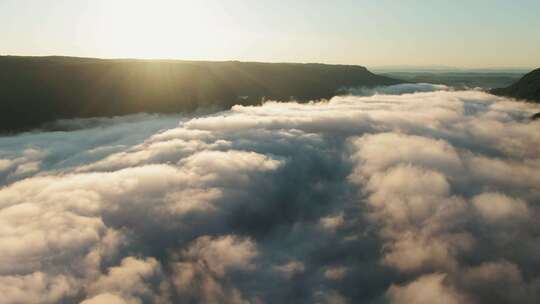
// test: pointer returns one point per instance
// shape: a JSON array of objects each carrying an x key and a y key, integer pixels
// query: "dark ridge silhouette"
[
  {"x": 38, "y": 90},
  {"x": 527, "y": 88}
]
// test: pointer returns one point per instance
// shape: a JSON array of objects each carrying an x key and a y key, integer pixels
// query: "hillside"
[
  {"x": 36, "y": 90},
  {"x": 527, "y": 88}
]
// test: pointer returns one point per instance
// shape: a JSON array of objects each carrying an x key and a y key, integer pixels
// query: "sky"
[{"x": 465, "y": 34}]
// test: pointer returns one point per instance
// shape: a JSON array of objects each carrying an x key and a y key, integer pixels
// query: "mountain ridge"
[
  {"x": 39, "y": 90},
  {"x": 526, "y": 88}
]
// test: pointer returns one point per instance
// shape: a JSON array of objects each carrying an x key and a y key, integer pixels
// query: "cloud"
[
  {"x": 335, "y": 273},
  {"x": 426, "y": 289},
  {"x": 202, "y": 269},
  {"x": 290, "y": 269},
  {"x": 330, "y": 297},
  {"x": 37, "y": 287},
  {"x": 496, "y": 207},
  {"x": 105, "y": 298},
  {"x": 130, "y": 281},
  {"x": 220, "y": 254},
  {"x": 417, "y": 193},
  {"x": 332, "y": 222}
]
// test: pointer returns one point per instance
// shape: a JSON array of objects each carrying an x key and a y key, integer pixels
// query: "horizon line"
[{"x": 441, "y": 67}]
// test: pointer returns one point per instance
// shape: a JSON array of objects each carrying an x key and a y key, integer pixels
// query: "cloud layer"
[{"x": 410, "y": 195}]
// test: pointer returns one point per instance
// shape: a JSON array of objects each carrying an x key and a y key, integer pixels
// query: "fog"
[{"x": 404, "y": 194}]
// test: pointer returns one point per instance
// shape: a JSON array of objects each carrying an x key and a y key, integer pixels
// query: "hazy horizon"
[
  {"x": 398, "y": 67},
  {"x": 484, "y": 34}
]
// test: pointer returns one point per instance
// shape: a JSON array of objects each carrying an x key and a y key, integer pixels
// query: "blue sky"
[{"x": 470, "y": 34}]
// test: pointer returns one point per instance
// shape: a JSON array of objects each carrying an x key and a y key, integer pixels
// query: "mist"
[{"x": 412, "y": 193}]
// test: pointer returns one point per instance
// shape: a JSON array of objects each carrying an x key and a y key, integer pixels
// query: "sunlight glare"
[{"x": 162, "y": 29}]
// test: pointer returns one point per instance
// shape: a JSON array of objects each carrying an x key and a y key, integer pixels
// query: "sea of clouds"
[{"x": 408, "y": 195}]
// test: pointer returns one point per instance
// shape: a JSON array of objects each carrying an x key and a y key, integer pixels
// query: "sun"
[{"x": 160, "y": 29}]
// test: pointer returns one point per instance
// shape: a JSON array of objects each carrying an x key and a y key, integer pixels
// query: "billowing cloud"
[
  {"x": 426, "y": 289},
  {"x": 201, "y": 272},
  {"x": 497, "y": 207},
  {"x": 129, "y": 282},
  {"x": 406, "y": 194}
]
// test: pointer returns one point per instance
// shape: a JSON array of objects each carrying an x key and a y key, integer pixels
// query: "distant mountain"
[
  {"x": 460, "y": 80},
  {"x": 37, "y": 90},
  {"x": 448, "y": 69},
  {"x": 527, "y": 88}
]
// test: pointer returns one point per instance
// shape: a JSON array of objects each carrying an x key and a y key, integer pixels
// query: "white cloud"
[
  {"x": 105, "y": 298},
  {"x": 290, "y": 269},
  {"x": 201, "y": 272},
  {"x": 129, "y": 281},
  {"x": 332, "y": 222},
  {"x": 221, "y": 254},
  {"x": 335, "y": 273},
  {"x": 409, "y": 195},
  {"x": 425, "y": 290},
  {"x": 495, "y": 206},
  {"x": 37, "y": 287}
]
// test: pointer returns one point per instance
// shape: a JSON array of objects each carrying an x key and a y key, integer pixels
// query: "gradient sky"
[{"x": 469, "y": 34}]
